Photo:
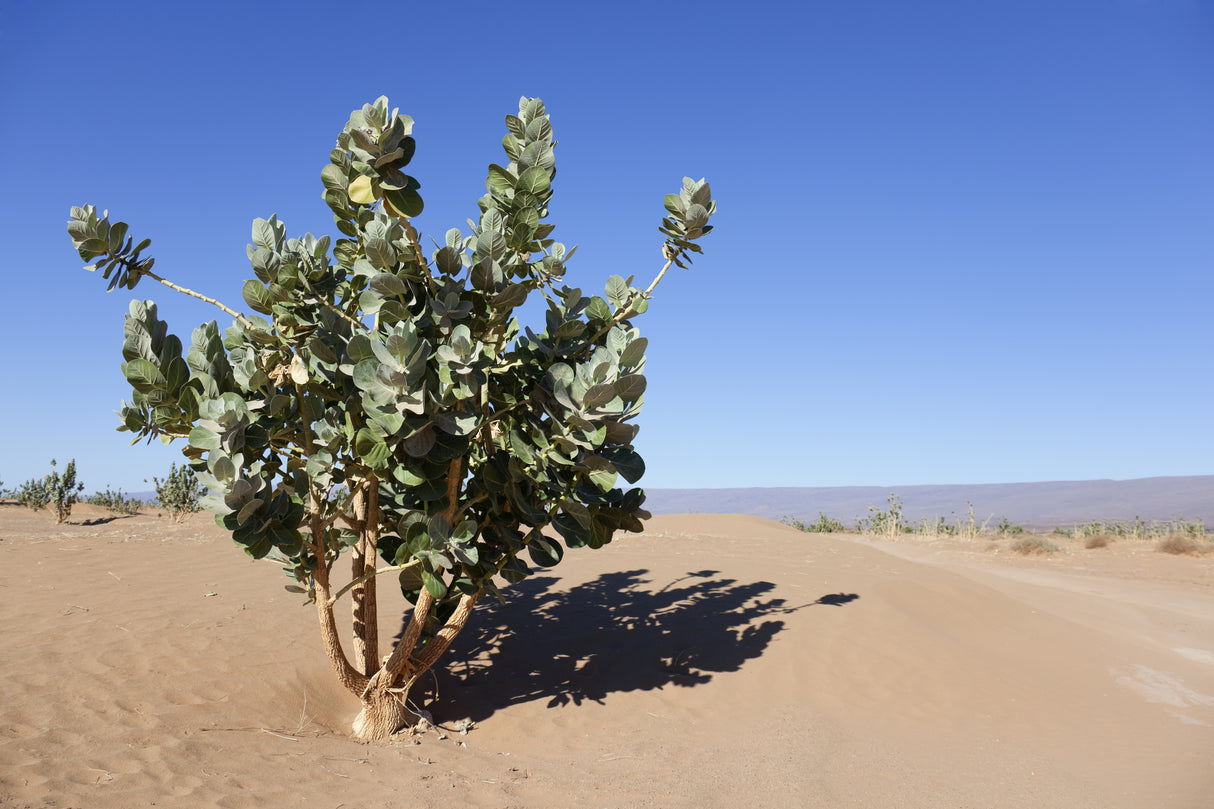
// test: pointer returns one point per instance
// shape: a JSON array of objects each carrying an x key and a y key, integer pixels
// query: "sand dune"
[{"x": 715, "y": 660}]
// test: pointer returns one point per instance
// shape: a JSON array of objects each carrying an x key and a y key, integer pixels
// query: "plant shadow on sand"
[{"x": 618, "y": 632}]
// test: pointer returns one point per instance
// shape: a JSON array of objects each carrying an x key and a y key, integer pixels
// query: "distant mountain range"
[{"x": 1036, "y": 506}]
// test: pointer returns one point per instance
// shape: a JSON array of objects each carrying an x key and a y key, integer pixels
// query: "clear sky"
[{"x": 956, "y": 242}]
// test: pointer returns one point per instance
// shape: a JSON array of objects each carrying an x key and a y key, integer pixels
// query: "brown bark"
[
  {"x": 353, "y": 680},
  {"x": 383, "y": 714},
  {"x": 363, "y": 558},
  {"x": 385, "y": 699},
  {"x": 434, "y": 648}
]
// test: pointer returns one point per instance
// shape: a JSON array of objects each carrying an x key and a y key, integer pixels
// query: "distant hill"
[{"x": 1038, "y": 506}]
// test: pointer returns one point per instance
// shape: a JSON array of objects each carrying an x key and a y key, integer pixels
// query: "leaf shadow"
[{"x": 615, "y": 633}]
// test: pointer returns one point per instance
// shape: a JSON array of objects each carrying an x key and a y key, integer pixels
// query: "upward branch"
[{"x": 98, "y": 238}]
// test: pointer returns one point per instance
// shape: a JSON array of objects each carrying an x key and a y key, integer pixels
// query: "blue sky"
[{"x": 956, "y": 242}]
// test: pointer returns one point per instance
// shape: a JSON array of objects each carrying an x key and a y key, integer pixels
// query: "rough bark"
[
  {"x": 385, "y": 707},
  {"x": 383, "y": 713},
  {"x": 363, "y": 557}
]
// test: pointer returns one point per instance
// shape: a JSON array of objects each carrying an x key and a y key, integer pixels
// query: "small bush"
[
  {"x": 1007, "y": 529},
  {"x": 33, "y": 494},
  {"x": 883, "y": 523},
  {"x": 823, "y": 525},
  {"x": 116, "y": 502},
  {"x": 179, "y": 493},
  {"x": 1097, "y": 541},
  {"x": 1033, "y": 544},
  {"x": 60, "y": 491},
  {"x": 1182, "y": 544}
]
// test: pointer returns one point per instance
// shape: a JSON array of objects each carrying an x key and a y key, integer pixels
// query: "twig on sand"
[
  {"x": 263, "y": 730},
  {"x": 279, "y": 735}
]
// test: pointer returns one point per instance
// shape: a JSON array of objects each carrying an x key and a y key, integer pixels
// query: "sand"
[{"x": 715, "y": 660}]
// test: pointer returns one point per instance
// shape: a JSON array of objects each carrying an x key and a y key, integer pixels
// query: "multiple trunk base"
[{"x": 383, "y": 714}]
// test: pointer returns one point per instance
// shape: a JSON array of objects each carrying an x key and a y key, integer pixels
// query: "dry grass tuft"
[
  {"x": 1182, "y": 544},
  {"x": 1098, "y": 541},
  {"x": 1033, "y": 544}
]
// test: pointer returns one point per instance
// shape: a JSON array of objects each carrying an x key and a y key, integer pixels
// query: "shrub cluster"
[
  {"x": 116, "y": 501},
  {"x": 179, "y": 493},
  {"x": 58, "y": 491}
]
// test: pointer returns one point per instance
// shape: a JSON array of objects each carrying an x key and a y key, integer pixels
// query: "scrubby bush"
[
  {"x": 1097, "y": 541},
  {"x": 385, "y": 402},
  {"x": 1005, "y": 528},
  {"x": 823, "y": 525},
  {"x": 58, "y": 491},
  {"x": 116, "y": 501},
  {"x": 33, "y": 494},
  {"x": 1033, "y": 544},
  {"x": 180, "y": 494},
  {"x": 883, "y": 522},
  {"x": 1183, "y": 544}
]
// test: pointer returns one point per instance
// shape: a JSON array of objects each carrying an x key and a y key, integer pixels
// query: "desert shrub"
[
  {"x": 823, "y": 525},
  {"x": 179, "y": 494},
  {"x": 33, "y": 494},
  {"x": 969, "y": 527},
  {"x": 1183, "y": 544},
  {"x": 883, "y": 522},
  {"x": 115, "y": 501},
  {"x": 60, "y": 492},
  {"x": 1033, "y": 544},
  {"x": 383, "y": 402},
  {"x": 1005, "y": 528},
  {"x": 1097, "y": 541}
]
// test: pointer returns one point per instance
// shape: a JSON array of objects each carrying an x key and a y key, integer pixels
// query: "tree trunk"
[
  {"x": 385, "y": 709},
  {"x": 383, "y": 714}
]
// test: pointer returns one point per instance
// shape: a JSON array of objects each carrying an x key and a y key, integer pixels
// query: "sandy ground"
[{"x": 715, "y": 660}]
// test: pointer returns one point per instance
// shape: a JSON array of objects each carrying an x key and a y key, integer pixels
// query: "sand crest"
[{"x": 715, "y": 660}]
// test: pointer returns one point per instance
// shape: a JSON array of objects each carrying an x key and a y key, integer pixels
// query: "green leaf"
[
  {"x": 370, "y": 447},
  {"x": 617, "y": 291},
  {"x": 634, "y": 353},
  {"x": 627, "y": 462},
  {"x": 434, "y": 584},
  {"x": 598, "y": 309},
  {"x": 420, "y": 443},
  {"x": 573, "y": 532},
  {"x": 500, "y": 181},
  {"x": 598, "y": 395},
  {"x": 534, "y": 180},
  {"x": 257, "y": 296},
  {"x": 144, "y": 376},
  {"x": 629, "y": 388},
  {"x": 269, "y": 233},
  {"x": 602, "y": 473},
  {"x": 542, "y": 550},
  {"x": 404, "y": 201},
  {"x": 202, "y": 438},
  {"x": 512, "y": 296}
]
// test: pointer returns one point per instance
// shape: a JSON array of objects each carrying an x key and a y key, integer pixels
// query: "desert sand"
[{"x": 714, "y": 660}]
